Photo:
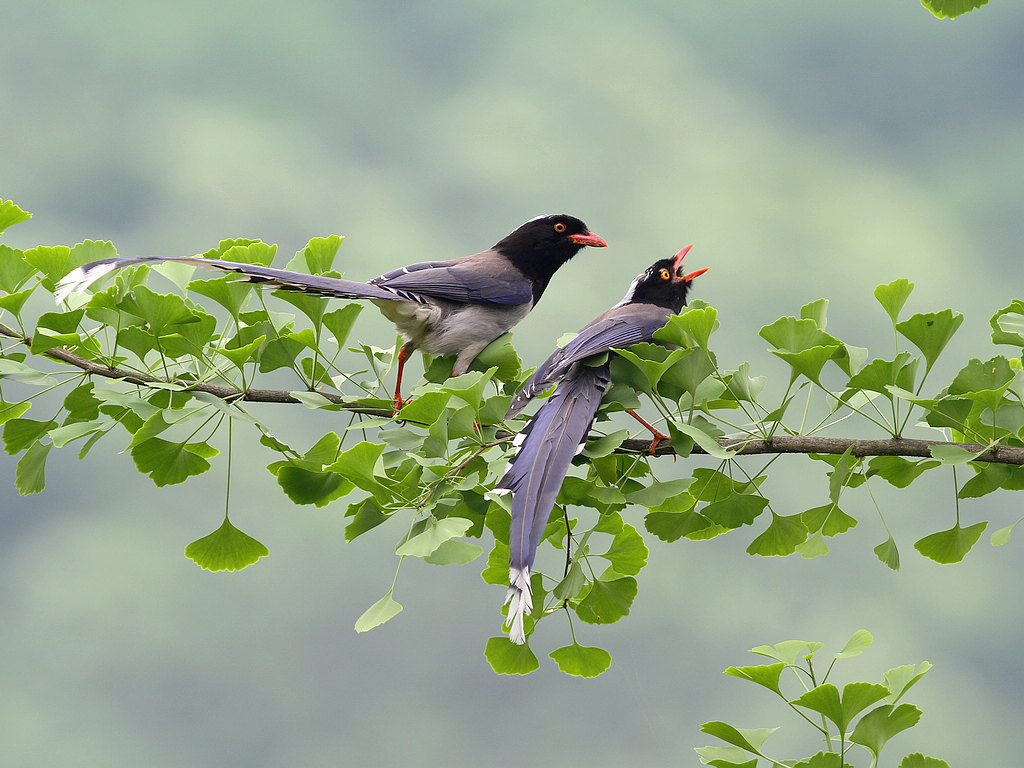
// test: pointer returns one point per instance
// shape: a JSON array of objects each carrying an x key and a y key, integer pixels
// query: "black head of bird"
[
  {"x": 543, "y": 244},
  {"x": 664, "y": 283}
]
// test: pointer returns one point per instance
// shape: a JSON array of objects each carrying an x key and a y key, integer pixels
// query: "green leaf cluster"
[
  {"x": 861, "y": 716},
  {"x": 159, "y": 362}
]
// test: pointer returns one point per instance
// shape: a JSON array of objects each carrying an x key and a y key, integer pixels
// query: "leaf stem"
[{"x": 227, "y": 485}]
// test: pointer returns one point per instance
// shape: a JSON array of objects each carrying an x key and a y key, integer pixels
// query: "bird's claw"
[{"x": 658, "y": 439}]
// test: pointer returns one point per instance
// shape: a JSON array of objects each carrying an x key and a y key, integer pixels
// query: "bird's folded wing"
[
  {"x": 478, "y": 281},
  {"x": 608, "y": 332}
]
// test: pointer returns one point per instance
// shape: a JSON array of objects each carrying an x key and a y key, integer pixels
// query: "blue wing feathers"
[
  {"x": 550, "y": 441},
  {"x": 481, "y": 282},
  {"x": 611, "y": 331}
]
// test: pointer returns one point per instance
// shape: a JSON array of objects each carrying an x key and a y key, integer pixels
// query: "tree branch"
[
  {"x": 218, "y": 390},
  {"x": 1000, "y": 454}
]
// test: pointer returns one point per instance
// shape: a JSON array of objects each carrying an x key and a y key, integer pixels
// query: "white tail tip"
[
  {"x": 520, "y": 601},
  {"x": 77, "y": 280}
]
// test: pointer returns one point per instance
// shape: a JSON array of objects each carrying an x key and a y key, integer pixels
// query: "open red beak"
[
  {"x": 679, "y": 260},
  {"x": 589, "y": 238},
  {"x": 680, "y": 256}
]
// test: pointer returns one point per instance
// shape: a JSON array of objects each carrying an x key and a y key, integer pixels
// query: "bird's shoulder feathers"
[{"x": 483, "y": 278}]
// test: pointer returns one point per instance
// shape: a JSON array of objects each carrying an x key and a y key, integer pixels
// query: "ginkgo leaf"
[{"x": 226, "y": 549}]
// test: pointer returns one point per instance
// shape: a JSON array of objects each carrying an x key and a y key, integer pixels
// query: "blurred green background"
[{"x": 809, "y": 149}]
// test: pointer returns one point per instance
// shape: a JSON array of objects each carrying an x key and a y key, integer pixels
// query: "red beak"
[
  {"x": 680, "y": 256},
  {"x": 589, "y": 238},
  {"x": 698, "y": 273}
]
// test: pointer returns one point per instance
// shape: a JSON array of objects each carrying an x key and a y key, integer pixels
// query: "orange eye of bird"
[
  {"x": 664, "y": 274},
  {"x": 560, "y": 227}
]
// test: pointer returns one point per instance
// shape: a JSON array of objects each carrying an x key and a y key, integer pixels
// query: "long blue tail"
[
  {"x": 80, "y": 279},
  {"x": 546, "y": 447}
]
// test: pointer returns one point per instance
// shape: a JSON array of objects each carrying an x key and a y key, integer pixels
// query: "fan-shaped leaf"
[
  {"x": 607, "y": 601},
  {"x": 931, "y": 332},
  {"x": 507, "y": 658},
  {"x": 952, "y": 545},
  {"x": 226, "y": 549},
  {"x": 381, "y": 611},
  {"x": 581, "y": 661}
]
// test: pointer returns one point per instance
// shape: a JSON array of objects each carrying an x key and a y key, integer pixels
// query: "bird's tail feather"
[
  {"x": 81, "y": 278},
  {"x": 520, "y": 602},
  {"x": 550, "y": 440},
  {"x": 533, "y": 387}
]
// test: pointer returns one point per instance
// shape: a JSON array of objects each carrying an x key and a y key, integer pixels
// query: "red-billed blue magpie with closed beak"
[
  {"x": 454, "y": 307},
  {"x": 557, "y": 432}
]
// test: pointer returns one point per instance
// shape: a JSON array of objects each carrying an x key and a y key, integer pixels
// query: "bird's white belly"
[
  {"x": 413, "y": 320},
  {"x": 451, "y": 329}
]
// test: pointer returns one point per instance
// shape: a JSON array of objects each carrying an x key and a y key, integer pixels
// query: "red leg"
[
  {"x": 403, "y": 355},
  {"x": 659, "y": 437}
]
